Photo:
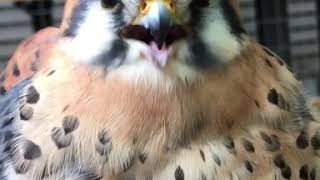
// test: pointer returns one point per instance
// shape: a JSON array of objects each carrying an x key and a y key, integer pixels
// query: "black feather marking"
[
  {"x": 304, "y": 172},
  {"x": 179, "y": 174},
  {"x": 31, "y": 150},
  {"x": 202, "y": 155},
  {"x": 114, "y": 56},
  {"x": 270, "y": 53},
  {"x": 272, "y": 142},
  {"x": 232, "y": 19},
  {"x": 77, "y": 18},
  {"x": 128, "y": 163},
  {"x": 2, "y": 90},
  {"x": 249, "y": 166},
  {"x": 248, "y": 146},
  {"x": 286, "y": 172},
  {"x": 142, "y": 157},
  {"x": 197, "y": 15},
  {"x": 16, "y": 71},
  {"x": 257, "y": 104},
  {"x": 26, "y": 113},
  {"x": 302, "y": 141},
  {"x": 61, "y": 139},
  {"x": 201, "y": 56},
  {"x": 229, "y": 143},
  {"x": 33, "y": 96},
  {"x": 268, "y": 63},
  {"x": 279, "y": 161},
  {"x": 104, "y": 144},
  {"x": 283, "y": 166},
  {"x": 273, "y": 97},
  {"x": 70, "y": 123},
  {"x": 217, "y": 159},
  {"x": 51, "y": 72}
]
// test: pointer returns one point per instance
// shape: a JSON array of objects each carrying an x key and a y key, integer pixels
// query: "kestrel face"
[{"x": 150, "y": 39}]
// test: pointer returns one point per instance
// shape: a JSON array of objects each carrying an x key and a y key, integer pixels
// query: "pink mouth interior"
[{"x": 160, "y": 56}]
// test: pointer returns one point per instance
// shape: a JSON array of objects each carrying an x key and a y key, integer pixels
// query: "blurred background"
[{"x": 289, "y": 27}]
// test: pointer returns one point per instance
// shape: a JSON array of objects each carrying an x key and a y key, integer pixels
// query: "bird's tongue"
[{"x": 160, "y": 56}]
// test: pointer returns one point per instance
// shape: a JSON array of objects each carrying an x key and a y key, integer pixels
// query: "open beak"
[
  {"x": 158, "y": 26},
  {"x": 158, "y": 17}
]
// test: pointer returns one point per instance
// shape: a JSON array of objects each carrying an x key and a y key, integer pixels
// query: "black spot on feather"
[
  {"x": 104, "y": 144},
  {"x": 61, "y": 139},
  {"x": 114, "y": 56},
  {"x": 272, "y": 142},
  {"x": 70, "y": 123},
  {"x": 2, "y": 90},
  {"x": 77, "y": 18},
  {"x": 249, "y": 166},
  {"x": 202, "y": 155},
  {"x": 268, "y": 63},
  {"x": 286, "y": 172},
  {"x": 201, "y": 56},
  {"x": 304, "y": 172},
  {"x": 302, "y": 141},
  {"x": 229, "y": 143},
  {"x": 179, "y": 174},
  {"x": 142, "y": 157},
  {"x": 16, "y": 71},
  {"x": 31, "y": 150},
  {"x": 248, "y": 146},
  {"x": 279, "y": 161},
  {"x": 216, "y": 159},
  {"x": 33, "y": 96},
  {"x": 232, "y": 18},
  {"x": 51, "y": 72},
  {"x": 26, "y": 113},
  {"x": 273, "y": 97}
]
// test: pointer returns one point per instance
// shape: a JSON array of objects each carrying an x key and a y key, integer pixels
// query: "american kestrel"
[{"x": 153, "y": 90}]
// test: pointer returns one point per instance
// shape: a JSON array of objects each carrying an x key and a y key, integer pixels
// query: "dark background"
[{"x": 289, "y": 27}]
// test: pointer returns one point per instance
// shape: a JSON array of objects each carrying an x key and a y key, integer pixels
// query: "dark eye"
[{"x": 109, "y": 3}]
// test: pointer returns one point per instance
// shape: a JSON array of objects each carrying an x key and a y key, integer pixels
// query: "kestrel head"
[{"x": 175, "y": 36}]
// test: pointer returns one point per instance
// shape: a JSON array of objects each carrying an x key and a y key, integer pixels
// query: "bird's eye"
[{"x": 109, "y": 3}]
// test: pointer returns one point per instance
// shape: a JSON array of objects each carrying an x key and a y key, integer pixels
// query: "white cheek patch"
[
  {"x": 217, "y": 35},
  {"x": 93, "y": 36}
]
